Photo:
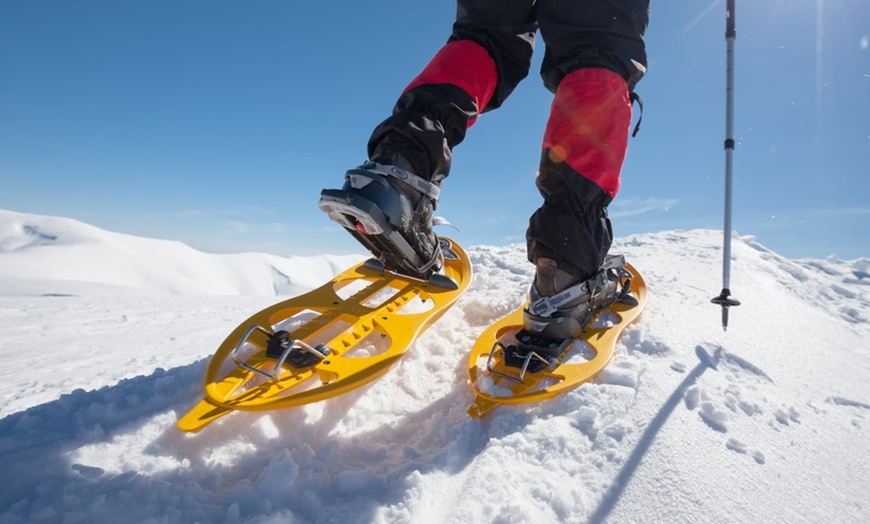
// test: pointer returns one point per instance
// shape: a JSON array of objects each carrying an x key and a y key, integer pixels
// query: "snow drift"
[
  {"x": 51, "y": 255},
  {"x": 765, "y": 423}
]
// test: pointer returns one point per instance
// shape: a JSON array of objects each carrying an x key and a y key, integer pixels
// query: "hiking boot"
[
  {"x": 389, "y": 210},
  {"x": 560, "y": 305}
]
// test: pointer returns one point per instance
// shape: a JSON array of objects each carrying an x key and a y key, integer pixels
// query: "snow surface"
[{"x": 105, "y": 340}]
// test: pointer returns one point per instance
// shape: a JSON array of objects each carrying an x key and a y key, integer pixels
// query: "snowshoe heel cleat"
[
  {"x": 533, "y": 353},
  {"x": 296, "y": 353}
]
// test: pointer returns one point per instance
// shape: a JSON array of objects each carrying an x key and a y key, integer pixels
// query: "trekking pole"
[{"x": 724, "y": 299}]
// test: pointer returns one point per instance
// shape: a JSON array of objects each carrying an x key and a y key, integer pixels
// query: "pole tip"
[{"x": 724, "y": 299}]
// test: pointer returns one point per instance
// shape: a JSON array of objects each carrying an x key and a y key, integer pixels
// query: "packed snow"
[{"x": 106, "y": 337}]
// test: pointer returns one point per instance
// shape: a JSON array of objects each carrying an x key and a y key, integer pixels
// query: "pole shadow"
[{"x": 617, "y": 488}]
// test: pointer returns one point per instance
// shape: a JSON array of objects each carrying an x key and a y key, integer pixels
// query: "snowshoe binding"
[
  {"x": 560, "y": 309},
  {"x": 389, "y": 210}
]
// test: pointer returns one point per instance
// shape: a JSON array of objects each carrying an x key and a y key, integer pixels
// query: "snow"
[{"x": 105, "y": 340}]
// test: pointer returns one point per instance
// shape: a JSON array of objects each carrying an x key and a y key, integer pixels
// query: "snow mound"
[
  {"x": 687, "y": 424},
  {"x": 60, "y": 256}
]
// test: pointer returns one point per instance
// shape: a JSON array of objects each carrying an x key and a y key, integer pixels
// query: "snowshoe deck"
[
  {"x": 510, "y": 366},
  {"x": 328, "y": 341}
]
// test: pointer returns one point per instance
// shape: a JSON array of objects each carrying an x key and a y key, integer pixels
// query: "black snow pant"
[{"x": 594, "y": 56}]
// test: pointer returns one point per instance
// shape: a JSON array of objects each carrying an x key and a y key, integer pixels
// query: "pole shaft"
[
  {"x": 724, "y": 299},
  {"x": 730, "y": 35}
]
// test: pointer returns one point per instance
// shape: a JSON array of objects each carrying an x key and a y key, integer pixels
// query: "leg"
[
  {"x": 388, "y": 204},
  {"x": 487, "y": 55},
  {"x": 595, "y": 53}
]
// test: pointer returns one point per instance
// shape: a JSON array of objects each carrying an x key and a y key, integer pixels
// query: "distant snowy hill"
[
  {"x": 767, "y": 422},
  {"x": 50, "y": 255}
]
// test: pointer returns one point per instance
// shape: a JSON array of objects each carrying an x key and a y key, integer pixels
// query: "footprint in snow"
[
  {"x": 739, "y": 447},
  {"x": 860, "y": 408},
  {"x": 734, "y": 397}
]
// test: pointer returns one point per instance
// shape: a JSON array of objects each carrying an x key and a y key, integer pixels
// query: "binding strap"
[
  {"x": 634, "y": 97},
  {"x": 420, "y": 184},
  {"x": 546, "y": 306}
]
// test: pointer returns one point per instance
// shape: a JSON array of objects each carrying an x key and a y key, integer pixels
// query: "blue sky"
[{"x": 217, "y": 122}]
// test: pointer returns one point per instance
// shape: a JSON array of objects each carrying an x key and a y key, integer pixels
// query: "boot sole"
[{"x": 365, "y": 221}]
